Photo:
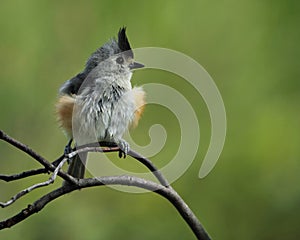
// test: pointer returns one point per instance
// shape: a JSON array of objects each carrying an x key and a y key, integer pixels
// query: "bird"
[{"x": 100, "y": 102}]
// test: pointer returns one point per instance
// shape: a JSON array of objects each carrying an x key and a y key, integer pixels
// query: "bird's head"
[{"x": 119, "y": 50}]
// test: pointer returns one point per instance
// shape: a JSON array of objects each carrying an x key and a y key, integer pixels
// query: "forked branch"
[{"x": 162, "y": 188}]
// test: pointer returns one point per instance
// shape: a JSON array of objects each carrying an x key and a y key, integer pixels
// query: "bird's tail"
[{"x": 77, "y": 166}]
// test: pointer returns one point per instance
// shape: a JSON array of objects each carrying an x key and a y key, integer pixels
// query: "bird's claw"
[
  {"x": 124, "y": 148},
  {"x": 68, "y": 149}
]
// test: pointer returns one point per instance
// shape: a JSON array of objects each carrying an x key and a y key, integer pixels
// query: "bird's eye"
[{"x": 120, "y": 60}]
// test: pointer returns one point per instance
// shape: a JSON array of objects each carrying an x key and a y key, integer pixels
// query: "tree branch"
[
  {"x": 163, "y": 189},
  {"x": 35, "y": 186},
  {"x": 29, "y": 173},
  {"x": 21, "y": 175},
  {"x": 111, "y": 147},
  {"x": 165, "y": 192},
  {"x": 36, "y": 156}
]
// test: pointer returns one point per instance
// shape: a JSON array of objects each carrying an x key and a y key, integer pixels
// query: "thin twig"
[
  {"x": 22, "y": 175},
  {"x": 35, "y": 186},
  {"x": 29, "y": 173}
]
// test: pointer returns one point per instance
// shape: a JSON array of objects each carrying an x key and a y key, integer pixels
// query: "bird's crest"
[{"x": 123, "y": 42}]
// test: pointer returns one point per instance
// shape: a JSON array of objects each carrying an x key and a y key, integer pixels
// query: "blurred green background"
[{"x": 250, "y": 48}]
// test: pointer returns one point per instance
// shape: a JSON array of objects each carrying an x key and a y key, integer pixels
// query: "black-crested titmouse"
[{"x": 100, "y": 103}]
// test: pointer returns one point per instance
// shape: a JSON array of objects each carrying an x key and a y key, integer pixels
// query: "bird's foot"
[
  {"x": 124, "y": 148},
  {"x": 68, "y": 148}
]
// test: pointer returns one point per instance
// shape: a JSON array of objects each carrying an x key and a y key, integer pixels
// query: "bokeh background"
[{"x": 250, "y": 48}]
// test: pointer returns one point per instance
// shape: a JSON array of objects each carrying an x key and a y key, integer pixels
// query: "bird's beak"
[{"x": 135, "y": 65}]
